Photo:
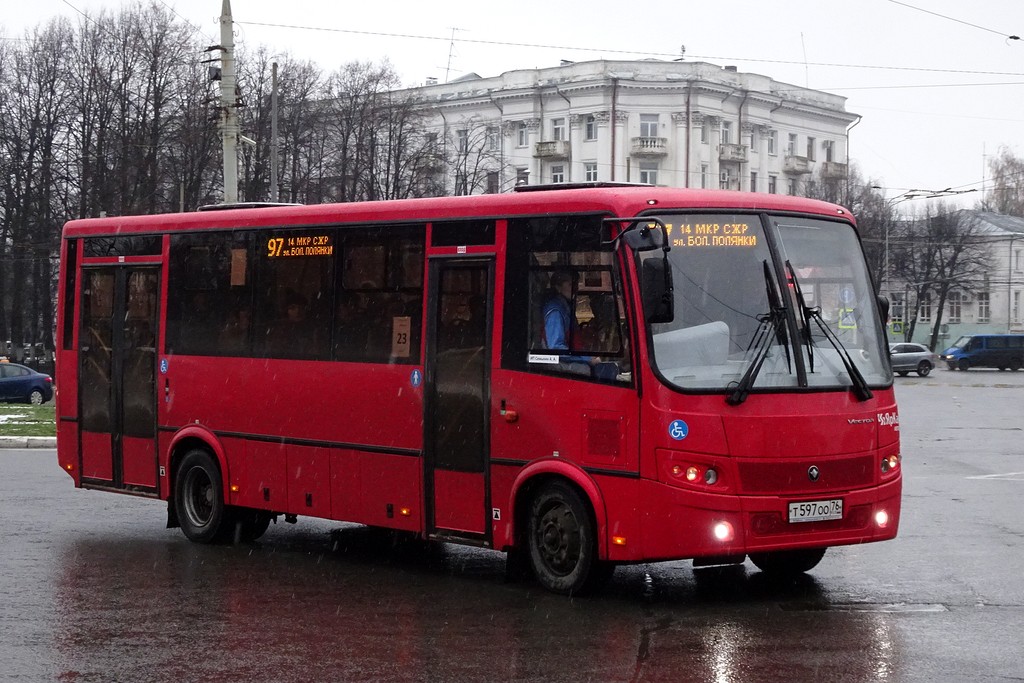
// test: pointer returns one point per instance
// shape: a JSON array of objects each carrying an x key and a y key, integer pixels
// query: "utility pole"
[{"x": 228, "y": 104}]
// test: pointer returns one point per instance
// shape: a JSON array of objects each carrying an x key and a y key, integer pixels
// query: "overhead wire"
[{"x": 606, "y": 50}]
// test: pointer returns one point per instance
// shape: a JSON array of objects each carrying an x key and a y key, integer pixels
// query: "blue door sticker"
[
  {"x": 163, "y": 366},
  {"x": 416, "y": 378},
  {"x": 678, "y": 430}
]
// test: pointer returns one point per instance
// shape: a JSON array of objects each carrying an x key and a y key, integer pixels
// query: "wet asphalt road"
[{"x": 93, "y": 588}]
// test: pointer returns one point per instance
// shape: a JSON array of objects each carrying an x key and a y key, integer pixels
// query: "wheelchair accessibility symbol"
[{"x": 678, "y": 430}]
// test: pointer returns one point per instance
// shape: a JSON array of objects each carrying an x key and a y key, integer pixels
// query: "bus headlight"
[
  {"x": 723, "y": 532},
  {"x": 881, "y": 519}
]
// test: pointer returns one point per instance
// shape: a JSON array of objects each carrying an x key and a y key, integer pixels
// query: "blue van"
[{"x": 986, "y": 351}]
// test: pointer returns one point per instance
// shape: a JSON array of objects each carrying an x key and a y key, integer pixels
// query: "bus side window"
[
  {"x": 209, "y": 287},
  {"x": 563, "y": 313}
]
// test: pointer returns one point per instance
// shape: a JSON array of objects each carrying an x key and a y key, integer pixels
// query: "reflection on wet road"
[{"x": 92, "y": 588}]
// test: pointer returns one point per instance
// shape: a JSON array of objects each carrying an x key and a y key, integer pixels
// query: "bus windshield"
[{"x": 731, "y": 311}]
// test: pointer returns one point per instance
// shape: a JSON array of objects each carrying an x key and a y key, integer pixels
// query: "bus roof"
[{"x": 615, "y": 199}]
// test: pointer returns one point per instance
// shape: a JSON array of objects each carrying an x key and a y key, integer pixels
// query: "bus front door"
[
  {"x": 456, "y": 444},
  {"x": 117, "y": 377}
]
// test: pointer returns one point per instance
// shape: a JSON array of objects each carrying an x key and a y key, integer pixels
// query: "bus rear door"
[{"x": 117, "y": 376}]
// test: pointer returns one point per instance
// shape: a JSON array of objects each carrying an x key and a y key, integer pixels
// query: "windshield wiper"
[
  {"x": 860, "y": 385},
  {"x": 771, "y": 324}
]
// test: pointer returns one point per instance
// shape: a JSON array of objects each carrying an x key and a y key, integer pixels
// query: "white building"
[{"x": 681, "y": 124}]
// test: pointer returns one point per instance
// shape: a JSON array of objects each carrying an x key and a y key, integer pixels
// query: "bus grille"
[{"x": 787, "y": 477}]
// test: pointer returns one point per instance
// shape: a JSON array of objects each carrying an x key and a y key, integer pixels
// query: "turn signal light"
[
  {"x": 405, "y": 512},
  {"x": 618, "y": 540},
  {"x": 69, "y": 467},
  {"x": 692, "y": 473},
  {"x": 235, "y": 488}
]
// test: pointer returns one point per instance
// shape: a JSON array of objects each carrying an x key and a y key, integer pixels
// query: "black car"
[
  {"x": 908, "y": 357},
  {"x": 18, "y": 383}
]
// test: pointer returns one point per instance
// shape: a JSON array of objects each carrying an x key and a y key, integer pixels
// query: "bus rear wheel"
[
  {"x": 788, "y": 562},
  {"x": 199, "y": 498},
  {"x": 563, "y": 542}
]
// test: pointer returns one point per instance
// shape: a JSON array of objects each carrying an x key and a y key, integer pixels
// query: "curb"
[{"x": 28, "y": 442}]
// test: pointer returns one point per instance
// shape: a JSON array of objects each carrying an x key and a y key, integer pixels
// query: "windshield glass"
[
  {"x": 730, "y": 311},
  {"x": 961, "y": 343}
]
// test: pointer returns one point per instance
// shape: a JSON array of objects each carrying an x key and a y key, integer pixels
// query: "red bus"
[{"x": 580, "y": 377}]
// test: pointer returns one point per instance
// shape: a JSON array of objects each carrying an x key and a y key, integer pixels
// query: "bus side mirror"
[{"x": 656, "y": 290}]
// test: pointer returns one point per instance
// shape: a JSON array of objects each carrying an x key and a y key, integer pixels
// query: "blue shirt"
[{"x": 557, "y": 323}]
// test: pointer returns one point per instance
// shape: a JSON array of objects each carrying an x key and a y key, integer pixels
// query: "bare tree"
[
  {"x": 935, "y": 255},
  {"x": 32, "y": 125},
  {"x": 474, "y": 155},
  {"x": 1006, "y": 195}
]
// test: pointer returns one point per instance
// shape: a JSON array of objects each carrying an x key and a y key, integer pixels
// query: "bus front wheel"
[
  {"x": 788, "y": 562},
  {"x": 563, "y": 542},
  {"x": 199, "y": 498}
]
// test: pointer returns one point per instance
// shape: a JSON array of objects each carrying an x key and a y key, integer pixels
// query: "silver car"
[{"x": 908, "y": 357}]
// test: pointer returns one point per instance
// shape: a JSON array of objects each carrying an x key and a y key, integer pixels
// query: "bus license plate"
[{"x": 816, "y": 511}]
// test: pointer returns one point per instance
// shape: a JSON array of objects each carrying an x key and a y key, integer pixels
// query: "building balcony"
[
  {"x": 730, "y": 152},
  {"x": 552, "y": 149},
  {"x": 795, "y": 165},
  {"x": 833, "y": 169},
  {"x": 649, "y": 147}
]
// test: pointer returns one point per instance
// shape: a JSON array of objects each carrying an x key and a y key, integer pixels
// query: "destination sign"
[
  {"x": 300, "y": 245},
  {"x": 689, "y": 235}
]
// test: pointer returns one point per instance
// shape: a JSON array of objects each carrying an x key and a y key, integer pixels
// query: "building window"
[
  {"x": 492, "y": 182},
  {"x": 791, "y": 147},
  {"x": 461, "y": 184},
  {"x": 724, "y": 180},
  {"x": 462, "y": 139},
  {"x": 648, "y": 125},
  {"x": 522, "y": 134},
  {"x": 755, "y": 140},
  {"x": 704, "y": 176},
  {"x": 1016, "y": 307},
  {"x": 773, "y": 184},
  {"x": 558, "y": 174},
  {"x": 493, "y": 138},
  {"x": 984, "y": 307},
  {"x": 522, "y": 176},
  {"x": 954, "y": 307},
  {"x": 924, "y": 309},
  {"x": 1018, "y": 260},
  {"x": 753, "y": 181},
  {"x": 810, "y": 147},
  {"x": 590, "y": 172},
  {"x": 791, "y": 186},
  {"x": 649, "y": 173},
  {"x": 558, "y": 129},
  {"x": 830, "y": 149},
  {"x": 705, "y": 132},
  {"x": 726, "y": 132},
  {"x": 773, "y": 142},
  {"x": 590, "y": 128}
]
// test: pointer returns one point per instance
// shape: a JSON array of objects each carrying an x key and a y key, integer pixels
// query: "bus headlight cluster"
[{"x": 890, "y": 463}]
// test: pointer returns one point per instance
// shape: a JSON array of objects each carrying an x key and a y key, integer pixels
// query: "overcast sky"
[{"x": 937, "y": 93}]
